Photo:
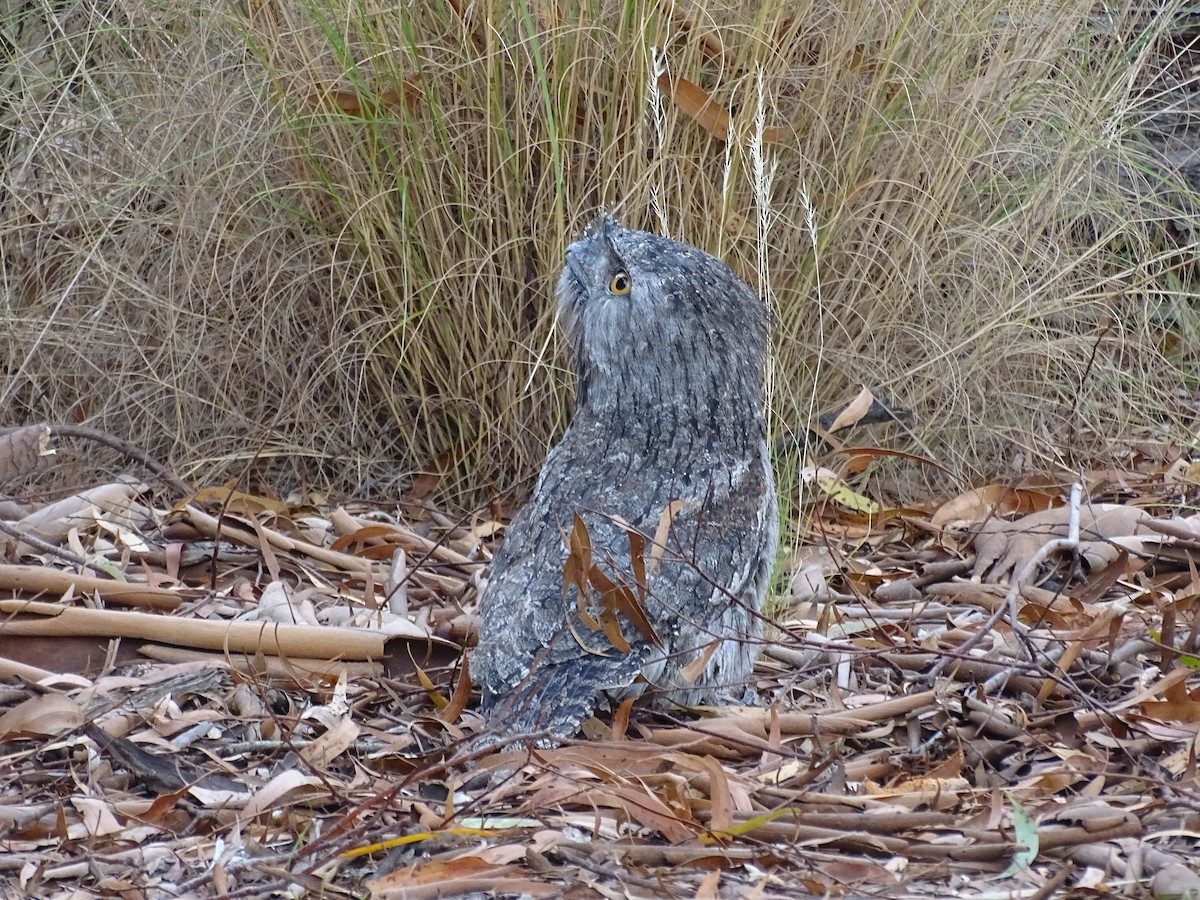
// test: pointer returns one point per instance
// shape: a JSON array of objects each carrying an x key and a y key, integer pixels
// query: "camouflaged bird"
[{"x": 669, "y": 439}]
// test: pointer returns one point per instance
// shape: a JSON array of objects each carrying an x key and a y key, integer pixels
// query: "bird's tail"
[{"x": 558, "y": 697}]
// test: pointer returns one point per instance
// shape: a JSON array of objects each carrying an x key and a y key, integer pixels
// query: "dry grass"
[{"x": 202, "y": 251}]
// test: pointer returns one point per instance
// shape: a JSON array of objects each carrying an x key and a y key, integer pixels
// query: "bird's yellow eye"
[{"x": 620, "y": 283}]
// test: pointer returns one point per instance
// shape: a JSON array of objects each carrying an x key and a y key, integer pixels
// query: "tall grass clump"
[{"x": 317, "y": 241}]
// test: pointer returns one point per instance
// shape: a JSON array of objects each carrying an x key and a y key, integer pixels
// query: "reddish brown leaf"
[
  {"x": 363, "y": 105},
  {"x": 1179, "y": 705},
  {"x": 695, "y": 102}
]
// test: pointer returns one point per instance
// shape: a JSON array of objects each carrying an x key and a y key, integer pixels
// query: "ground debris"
[{"x": 237, "y": 694}]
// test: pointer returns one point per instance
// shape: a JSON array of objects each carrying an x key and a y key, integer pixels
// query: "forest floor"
[{"x": 207, "y": 693}]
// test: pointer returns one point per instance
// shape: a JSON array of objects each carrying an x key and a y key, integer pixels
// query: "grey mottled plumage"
[{"x": 669, "y": 347}]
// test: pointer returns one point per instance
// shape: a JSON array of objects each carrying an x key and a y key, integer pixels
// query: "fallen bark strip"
[
  {"x": 662, "y": 855},
  {"x": 857, "y": 839},
  {"x": 1058, "y": 837},
  {"x": 292, "y": 669},
  {"x": 1050, "y": 836},
  {"x": 998, "y": 850},
  {"x": 846, "y": 721},
  {"x": 992, "y": 596},
  {"x": 32, "y": 674},
  {"x": 870, "y": 822},
  {"x": 44, "y": 580},
  {"x": 813, "y": 655},
  {"x": 317, "y": 642}
]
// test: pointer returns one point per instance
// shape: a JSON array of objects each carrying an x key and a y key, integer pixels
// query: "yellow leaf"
[
  {"x": 839, "y": 491},
  {"x": 434, "y": 694}
]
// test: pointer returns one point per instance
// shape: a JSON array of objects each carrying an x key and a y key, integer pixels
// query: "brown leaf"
[
  {"x": 637, "y": 561},
  {"x": 719, "y": 794},
  {"x": 289, "y": 788},
  {"x": 1179, "y": 705},
  {"x": 854, "y": 411},
  {"x": 364, "y": 105},
  {"x": 696, "y": 667},
  {"x": 360, "y": 537},
  {"x": 695, "y": 103},
  {"x": 612, "y": 630},
  {"x": 43, "y": 715},
  {"x": 646, "y": 808},
  {"x": 608, "y": 592},
  {"x": 620, "y": 720},
  {"x": 579, "y": 560},
  {"x": 326, "y": 747},
  {"x": 992, "y": 500},
  {"x": 661, "y": 532},
  {"x": 698, "y": 105},
  {"x": 230, "y": 500},
  {"x": 157, "y": 812},
  {"x": 462, "y": 693},
  {"x": 709, "y": 888},
  {"x": 619, "y": 598}
]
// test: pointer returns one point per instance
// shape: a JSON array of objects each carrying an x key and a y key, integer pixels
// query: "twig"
[
  {"x": 45, "y": 546},
  {"x": 126, "y": 449}
]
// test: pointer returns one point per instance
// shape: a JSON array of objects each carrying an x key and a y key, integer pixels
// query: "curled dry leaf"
[
  {"x": 853, "y": 412},
  {"x": 286, "y": 788},
  {"x": 43, "y": 715},
  {"x": 280, "y": 603},
  {"x": 97, "y": 818},
  {"x": 338, "y": 738},
  {"x": 1176, "y": 881},
  {"x": 994, "y": 500},
  {"x": 115, "y": 502}
]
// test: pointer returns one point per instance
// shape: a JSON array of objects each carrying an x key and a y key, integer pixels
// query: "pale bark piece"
[
  {"x": 45, "y": 580},
  {"x": 116, "y": 502},
  {"x": 293, "y": 669},
  {"x": 1002, "y": 548},
  {"x": 231, "y": 637},
  {"x": 21, "y": 449}
]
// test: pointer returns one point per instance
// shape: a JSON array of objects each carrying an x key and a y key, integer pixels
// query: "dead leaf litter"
[{"x": 232, "y": 695}]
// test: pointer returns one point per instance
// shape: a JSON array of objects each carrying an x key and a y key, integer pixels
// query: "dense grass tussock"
[{"x": 316, "y": 242}]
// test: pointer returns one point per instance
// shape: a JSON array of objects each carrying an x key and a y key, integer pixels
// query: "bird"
[{"x": 640, "y": 563}]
